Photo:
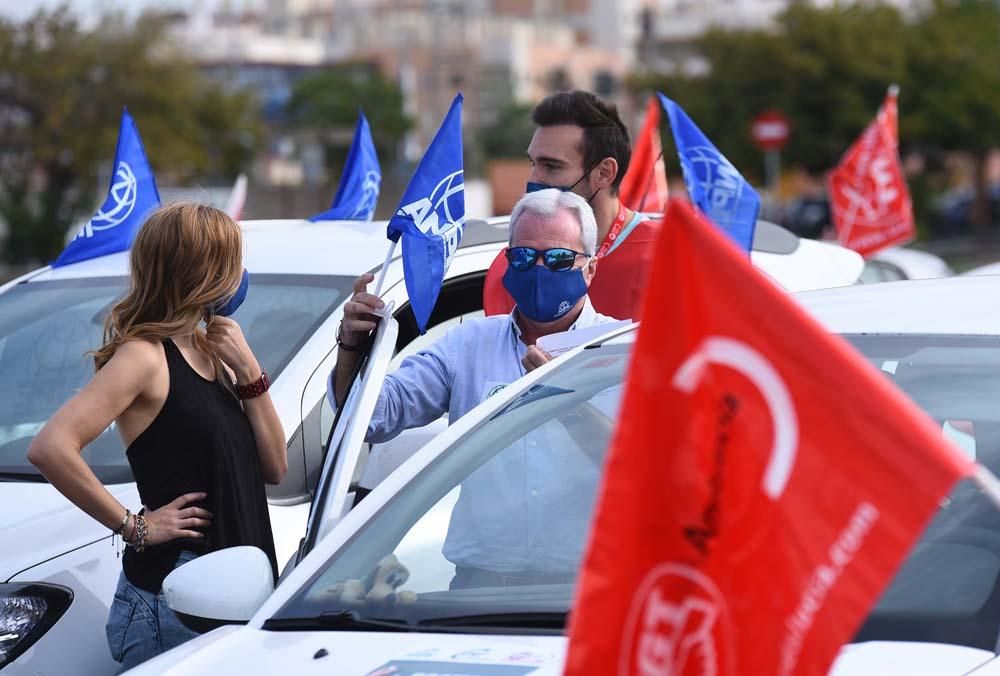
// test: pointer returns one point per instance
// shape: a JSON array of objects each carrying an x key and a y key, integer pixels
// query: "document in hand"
[{"x": 564, "y": 341}]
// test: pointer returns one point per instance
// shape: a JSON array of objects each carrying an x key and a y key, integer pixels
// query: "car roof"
[
  {"x": 297, "y": 246},
  {"x": 946, "y": 306}
]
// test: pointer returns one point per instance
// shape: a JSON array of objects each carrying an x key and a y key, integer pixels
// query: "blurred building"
[{"x": 668, "y": 29}]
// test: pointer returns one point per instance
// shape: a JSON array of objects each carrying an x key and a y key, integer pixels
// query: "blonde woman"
[{"x": 191, "y": 405}]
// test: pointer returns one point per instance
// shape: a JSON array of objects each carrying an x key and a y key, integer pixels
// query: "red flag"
[
  {"x": 752, "y": 507},
  {"x": 869, "y": 199},
  {"x": 644, "y": 187}
]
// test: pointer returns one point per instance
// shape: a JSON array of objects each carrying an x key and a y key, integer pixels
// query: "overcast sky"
[{"x": 19, "y": 9}]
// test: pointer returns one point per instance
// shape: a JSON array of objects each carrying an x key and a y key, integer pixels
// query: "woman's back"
[{"x": 199, "y": 442}]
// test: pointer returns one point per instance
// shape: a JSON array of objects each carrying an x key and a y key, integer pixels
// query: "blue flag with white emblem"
[
  {"x": 713, "y": 183},
  {"x": 360, "y": 183},
  {"x": 131, "y": 196},
  {"x": 431, "y": 215}
]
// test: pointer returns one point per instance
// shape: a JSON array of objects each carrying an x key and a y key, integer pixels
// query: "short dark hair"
[{"x": 604, "y": 133}]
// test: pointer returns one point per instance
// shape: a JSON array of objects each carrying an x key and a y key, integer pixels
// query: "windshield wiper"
[
  {"x": 334, "y": 621},
  {"x": 521, "y": 620},
  {"x": 32, "y": 477}
]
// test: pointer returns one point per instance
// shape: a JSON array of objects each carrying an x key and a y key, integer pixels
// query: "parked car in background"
[{"x": 899, "y": 263}]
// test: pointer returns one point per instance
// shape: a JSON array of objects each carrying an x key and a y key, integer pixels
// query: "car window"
[
  {"x": 47, "y": 328},
  {"x": 947, "y": 589},
  {"x": 514, "y": 497}
]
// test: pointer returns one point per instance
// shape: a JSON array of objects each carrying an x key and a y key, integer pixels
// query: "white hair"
[{"x": 547, "y": 203}]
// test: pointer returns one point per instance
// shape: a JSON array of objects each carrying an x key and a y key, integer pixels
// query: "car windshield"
[
  {"x": 47, "y": 328},
  {"x": 497, "y": 525},
  {"x": 492, "y": 533}
]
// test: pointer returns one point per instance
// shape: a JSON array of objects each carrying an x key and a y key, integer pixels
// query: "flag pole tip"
[{"x": 894, "y": 89}]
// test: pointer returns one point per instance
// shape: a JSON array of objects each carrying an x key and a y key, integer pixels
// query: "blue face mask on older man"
[{"x": 544, "y": 293}]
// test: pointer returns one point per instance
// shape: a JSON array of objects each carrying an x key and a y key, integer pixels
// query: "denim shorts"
[{"x": 141, "y": 625}]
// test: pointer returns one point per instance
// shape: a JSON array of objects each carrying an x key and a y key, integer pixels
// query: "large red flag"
[
  {"x": 644, "y": 187},
  {"x": 762, "y": 488},
  {"x": 869, "y": 199}
]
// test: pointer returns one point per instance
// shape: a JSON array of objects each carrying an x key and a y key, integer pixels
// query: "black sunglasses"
[{"x": 523, "y": 258}]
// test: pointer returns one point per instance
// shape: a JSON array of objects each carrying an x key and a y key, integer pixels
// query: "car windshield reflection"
[
  {"x": 47, "y": 328},
  {"x": 492, "y": 533}
]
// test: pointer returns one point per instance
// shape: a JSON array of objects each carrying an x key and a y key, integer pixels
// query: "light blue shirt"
[{"x": 527, "y": 509}]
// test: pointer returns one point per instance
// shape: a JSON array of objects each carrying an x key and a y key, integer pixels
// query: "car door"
[{"x": 345, "y": 451}]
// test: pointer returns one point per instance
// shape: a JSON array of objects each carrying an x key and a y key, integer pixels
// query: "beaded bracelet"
[{"x": 254, "y": 389}]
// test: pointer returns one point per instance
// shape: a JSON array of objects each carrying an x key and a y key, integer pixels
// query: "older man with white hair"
[{"x": 551, "y": 262}]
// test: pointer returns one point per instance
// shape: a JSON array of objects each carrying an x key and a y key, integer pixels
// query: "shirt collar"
[{"x": 588, "y": 317}]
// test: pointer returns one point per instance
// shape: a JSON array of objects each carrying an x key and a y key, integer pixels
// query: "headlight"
[{"x": 27, "y": 611}]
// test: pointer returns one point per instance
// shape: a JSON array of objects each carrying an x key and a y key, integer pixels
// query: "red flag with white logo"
[
  {"x": 762, "y": 487},
  {"x": 869, "y": 199},
  {"x": 644, "y": 187}
]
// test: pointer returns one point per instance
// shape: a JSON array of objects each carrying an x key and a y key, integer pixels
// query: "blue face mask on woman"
[
  {"x": 228, "y": 306},
  {"x": 545, "y": 295}
]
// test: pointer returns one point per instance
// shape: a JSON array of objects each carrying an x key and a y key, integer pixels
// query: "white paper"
[{"x": 557, "y": 343}]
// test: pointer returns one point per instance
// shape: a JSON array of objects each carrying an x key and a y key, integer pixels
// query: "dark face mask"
[
  {"x": 544, "y": 295},
  {"x": 228, "y": 306},
  {"x": 535, "y": 186}
]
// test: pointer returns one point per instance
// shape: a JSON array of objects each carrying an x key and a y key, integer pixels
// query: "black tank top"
[{"x": 200, "y": 441}]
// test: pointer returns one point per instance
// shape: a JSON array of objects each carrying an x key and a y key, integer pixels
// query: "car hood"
[
  {"x": 913, "y": 659},
  {"x": 237, "y": 651},
  {"x": 39, "y": 524},
  {"x": 233, "y": 650}
]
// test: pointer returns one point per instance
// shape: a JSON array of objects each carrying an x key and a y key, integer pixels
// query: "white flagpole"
[
  {"x": 989, "y": 482},
  {"x": 385, "y": 266}
]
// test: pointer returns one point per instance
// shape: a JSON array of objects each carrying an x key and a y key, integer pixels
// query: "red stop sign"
[{"x": 770, "y": 130}]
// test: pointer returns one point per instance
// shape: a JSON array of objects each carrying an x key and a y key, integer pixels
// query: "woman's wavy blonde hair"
[{"x": 185, "y": 259}]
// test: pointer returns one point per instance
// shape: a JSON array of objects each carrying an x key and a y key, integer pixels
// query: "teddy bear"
[{"x": 379, "y": 588}]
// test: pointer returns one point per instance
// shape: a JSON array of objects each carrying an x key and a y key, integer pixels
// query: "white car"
[
  {"x": 58, "y": 569},
  {"x": 938, "y": 340},
  {"x": 899, "y": 263},
  {"x": 62, "y": 562},
  {"x": 988, "y": 269}
]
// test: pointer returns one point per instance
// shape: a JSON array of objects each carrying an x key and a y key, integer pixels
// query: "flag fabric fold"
[
  {"x": 869, "y": 199},
  {"x": 431, "y": 215},
  {"x": 644, "y": 187},
  {"x": 358, "y": 190},
  {"x": 752, "y": 508},
  {"x": 713, "y": 183},
  {"x": 132, "y": 194}
]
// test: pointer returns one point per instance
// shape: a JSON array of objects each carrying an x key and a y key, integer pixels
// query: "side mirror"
[{"x": 227, "y": 586}]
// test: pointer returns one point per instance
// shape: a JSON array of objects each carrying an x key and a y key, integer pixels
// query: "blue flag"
[
  {"x": 712, "y": 181},
  {"x": 131, "y": 196},
  {"x": 359, "y": 186},
  {"x": 431, "y": 215}
]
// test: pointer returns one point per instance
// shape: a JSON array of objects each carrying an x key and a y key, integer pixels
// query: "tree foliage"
[
  {"x": 62, "y": 89},
  {"x": 327, "y": 103},
  {"x": 828, "y": 68}
]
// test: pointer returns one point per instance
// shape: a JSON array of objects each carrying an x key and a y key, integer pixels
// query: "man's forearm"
[{"x": 347, "y": 361}]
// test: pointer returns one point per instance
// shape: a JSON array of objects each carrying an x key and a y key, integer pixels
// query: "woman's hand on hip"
[
  {"x": 177, "y": 519},
  {"x": 226, "y": 338}
]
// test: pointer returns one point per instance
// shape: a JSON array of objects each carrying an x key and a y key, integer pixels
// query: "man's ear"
[
  {"x": 604, "y": 173},
  {"x": 591, "y": 269}
]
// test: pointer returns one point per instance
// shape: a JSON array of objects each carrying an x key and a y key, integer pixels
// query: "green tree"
[
  {"x": 326, "y": 103},
  {"x": 827, "y": 69},
  {"x": 62, "y": 89},
  {"x": 508, "y": 137},
  {"x": 952, "y": 88}
]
